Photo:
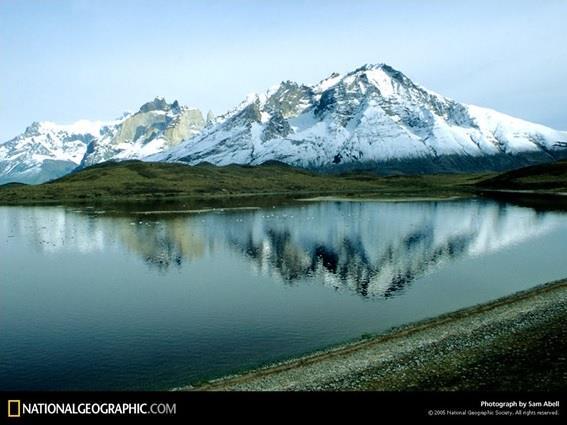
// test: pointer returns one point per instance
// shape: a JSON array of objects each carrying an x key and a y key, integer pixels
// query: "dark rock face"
[
  {"x": 277, "y": 127},
  {"x": 250, "y": 114},
  {"x": 158, "y": 104},
  {"x": 289, "y": 99}
]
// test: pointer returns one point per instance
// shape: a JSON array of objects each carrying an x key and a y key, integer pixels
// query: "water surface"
[{"x": 136, "y": 301}]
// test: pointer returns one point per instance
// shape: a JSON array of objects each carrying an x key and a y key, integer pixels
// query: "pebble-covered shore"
[{"x": 514, "y": 343}]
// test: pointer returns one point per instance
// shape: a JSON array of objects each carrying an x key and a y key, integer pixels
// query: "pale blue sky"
[{"x": 63, "y": 60}]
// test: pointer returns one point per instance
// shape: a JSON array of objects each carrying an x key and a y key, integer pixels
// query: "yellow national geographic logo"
[{"x": 14, "y": 408}]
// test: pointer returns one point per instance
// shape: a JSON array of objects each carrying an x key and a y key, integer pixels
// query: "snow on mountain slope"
[
  {"x": 157, "y": 126},
  {"x": 372, "y": 118},
  {"x": 367, "y": 118},
  {"x": 47, "y": 150}
]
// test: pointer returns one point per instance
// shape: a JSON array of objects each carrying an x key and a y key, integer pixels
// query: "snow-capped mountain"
[
  {"x": 157, "y": 126},
  {"x": 46, "y": 150},
  {"x": 374, "y": 117}
]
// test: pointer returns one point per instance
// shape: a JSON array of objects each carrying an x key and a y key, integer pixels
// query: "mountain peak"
[
  {"x": 33, "y": 128},
  {"x": 373, "y": 116},
  {"x": 328, "y": 82},
  {"x": 370, "y": 67},
  {"x": 388, "y": 70},
  {"x": 158, "y": 104},
  {"x": 210, "y": 118}
]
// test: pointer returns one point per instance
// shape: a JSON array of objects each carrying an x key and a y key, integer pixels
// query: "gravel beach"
[{"x": 516, "y": 343}]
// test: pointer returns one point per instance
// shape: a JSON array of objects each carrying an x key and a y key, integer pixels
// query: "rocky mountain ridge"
[{"x": 373, "y": 118}]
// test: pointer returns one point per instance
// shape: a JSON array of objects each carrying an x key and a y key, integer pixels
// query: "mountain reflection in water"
[{"x": 371, "y": 248}]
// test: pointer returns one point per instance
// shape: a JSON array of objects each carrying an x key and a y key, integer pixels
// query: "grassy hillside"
[
  {"x": 141, "y": 181},
  {"x": 11, "y": 185},
  {"x": 545, "y": 177},
  {"x": 136, "y": 181}
]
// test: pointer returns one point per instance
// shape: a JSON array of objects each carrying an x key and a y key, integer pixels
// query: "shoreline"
[
  {"x": 434, "y": 354},
  {"x": 199, "y": 203},
  {"x": 385, "y": 199},
  {"x": 203, "y": 210},
  {"x": 230, "y": 199}
]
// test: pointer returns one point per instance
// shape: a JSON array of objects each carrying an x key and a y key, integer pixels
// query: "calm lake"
[{"x": 90, "y": 300}]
